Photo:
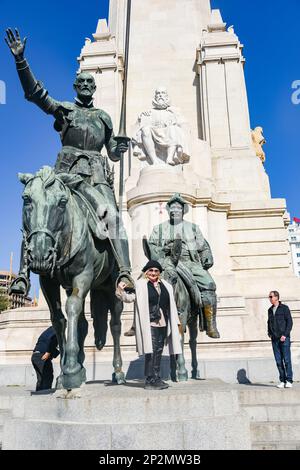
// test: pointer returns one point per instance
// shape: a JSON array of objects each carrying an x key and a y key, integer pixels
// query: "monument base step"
[
  {"x": 194, "y": 415},
  {"x": 230, "y": 370},
  {"x": 274, "y": 415},
  {"x": 276, "y": 431},
  {"x": 275, "y": 445}
]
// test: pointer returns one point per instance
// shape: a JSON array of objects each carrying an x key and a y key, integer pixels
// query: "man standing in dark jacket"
[
  {"x": 45, "y": 350},
  {"x": 280, "y": 324}
]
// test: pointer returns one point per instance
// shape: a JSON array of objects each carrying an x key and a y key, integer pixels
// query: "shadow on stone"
[
  {"x": 242, "y": 377},
  {"x": 136, "y": 383},
  {"x": 44, "y": 392},
  {"x": 136, "y": 369},
  {"x": 92, "y": 382}
]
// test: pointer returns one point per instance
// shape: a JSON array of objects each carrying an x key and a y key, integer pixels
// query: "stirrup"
[{"x": 19, "y": 286}]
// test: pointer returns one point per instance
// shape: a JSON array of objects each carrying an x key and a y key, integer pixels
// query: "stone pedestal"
[
  {"x": 223, "y": 358},
  {"x": 193, "y": 416},
  {"x": 185, "y": 46},
  {"x": 146, "y": 203}
]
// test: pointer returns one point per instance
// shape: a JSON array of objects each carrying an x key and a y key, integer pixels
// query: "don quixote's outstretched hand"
[{"x": 15, "y": 43}]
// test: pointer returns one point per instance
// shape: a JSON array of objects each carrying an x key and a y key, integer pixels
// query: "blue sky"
[{"x": 56, "y": 31}]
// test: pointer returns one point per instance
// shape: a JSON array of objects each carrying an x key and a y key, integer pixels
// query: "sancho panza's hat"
[{"x": 177, "y": 198}]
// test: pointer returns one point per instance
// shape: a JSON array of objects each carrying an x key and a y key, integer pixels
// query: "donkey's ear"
[{"x": 25, "y": 177}]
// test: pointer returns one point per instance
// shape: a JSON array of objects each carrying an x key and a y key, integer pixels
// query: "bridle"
[
  {"x": 55, "y": 238},
  {"x": 53, "y": 249}
]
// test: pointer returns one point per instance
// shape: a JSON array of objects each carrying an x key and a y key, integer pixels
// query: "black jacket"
[
  {"x": 47, "y": 342},
  {"x": 281, "y": 323},
  {"x": 157, "y": 302}
]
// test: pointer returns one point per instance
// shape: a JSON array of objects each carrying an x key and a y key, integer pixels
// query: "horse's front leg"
[
  {"x": 193, "y": 329},
  {"x": 51, "y": 291},
  {"x": 182, "y": 373},
  {"x": 74, "y": 373},
  {"x": 173, "y": 368},
  {"x": 116, "y": 308},
  {"x": 83, "y": 327}
]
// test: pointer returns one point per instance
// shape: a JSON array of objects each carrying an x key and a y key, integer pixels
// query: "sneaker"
[
  {"x": 281, "y": 385},
  {"x": 288, "y": 385}
]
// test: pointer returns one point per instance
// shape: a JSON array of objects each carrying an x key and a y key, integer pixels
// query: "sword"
[{"x": 122, "y": 135}]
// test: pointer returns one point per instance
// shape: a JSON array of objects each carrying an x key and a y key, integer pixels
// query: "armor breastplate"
[{"x": 84, "y": 130}]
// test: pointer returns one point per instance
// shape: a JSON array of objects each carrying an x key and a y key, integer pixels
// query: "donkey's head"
[{"x": 44, "y": 215}]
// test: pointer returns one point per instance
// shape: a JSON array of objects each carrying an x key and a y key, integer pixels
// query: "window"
[
  {"x": 298, "y": 255},
  {"x": 291, "y": 230},
  {"x": 297, "y": 245},
  {"x": 294, "y": 239}
]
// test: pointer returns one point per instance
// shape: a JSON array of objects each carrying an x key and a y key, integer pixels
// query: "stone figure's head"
[
  {"x": 177, "y": 207},
  {"x": 258, "y": 133},
  {"x": 161, "y": 98},
  {"x": 85, "y": 86}
]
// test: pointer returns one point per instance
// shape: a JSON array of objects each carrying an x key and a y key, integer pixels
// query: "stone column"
[
  {"x": 225, "y": 114},
  {"x": 147, "y": 202}
]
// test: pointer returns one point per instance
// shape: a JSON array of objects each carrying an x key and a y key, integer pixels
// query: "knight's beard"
[{"x": 161, "y": 104}]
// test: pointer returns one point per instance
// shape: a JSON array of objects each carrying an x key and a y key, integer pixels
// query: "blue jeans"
[{"x": 282, "y": 354}]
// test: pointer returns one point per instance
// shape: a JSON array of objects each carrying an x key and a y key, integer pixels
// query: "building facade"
[{"x": 294, "y": 240}]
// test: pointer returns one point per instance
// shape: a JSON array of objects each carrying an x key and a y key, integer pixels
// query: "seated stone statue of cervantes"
[{"x": 161, "y": 135}]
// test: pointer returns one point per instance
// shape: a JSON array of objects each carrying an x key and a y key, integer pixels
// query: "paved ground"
[{"x": 136, "y": 386}]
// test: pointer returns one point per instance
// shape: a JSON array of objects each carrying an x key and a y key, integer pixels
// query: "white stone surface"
[
  {"x": 128, "y": 418},
  {"x": 185, "y": 46},
  {"x": 161, "y": 133}
]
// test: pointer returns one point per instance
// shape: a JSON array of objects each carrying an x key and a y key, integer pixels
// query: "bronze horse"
[{"x": 60, "y": 247}]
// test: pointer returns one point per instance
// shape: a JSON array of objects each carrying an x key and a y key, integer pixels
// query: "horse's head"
[{"x": 44, "y": 214}]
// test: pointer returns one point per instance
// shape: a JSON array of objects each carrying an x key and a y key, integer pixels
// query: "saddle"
[{"x": 96, "y": 225}]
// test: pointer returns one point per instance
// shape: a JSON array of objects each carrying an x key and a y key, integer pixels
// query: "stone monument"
[
  {"x": 224, "y": 181},
  {"x": 184, "y": 45},
  {"x": 189, "y": 50}
]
